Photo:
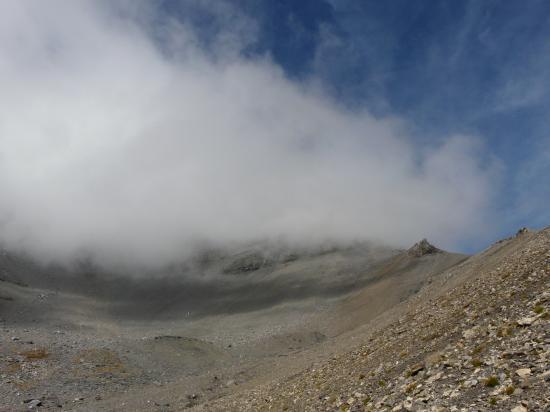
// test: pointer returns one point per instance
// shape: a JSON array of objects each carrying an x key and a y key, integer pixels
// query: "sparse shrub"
[
  {"x": 478, "y": 349},
  {"x": 35, "y": 354},
  {"x": 491, "y": 381},
  {"x": 381, "y": 383},
  {"x": 476, "y": 362},
  {"x": 493, "y": 401},
  {"x": 410, "y": 387},
  {"x": 361, "y": 376},
  {"x": 538, "y": 309},
  {"x": 105, "y": 360},
  {"x": 509, "y": 390}
]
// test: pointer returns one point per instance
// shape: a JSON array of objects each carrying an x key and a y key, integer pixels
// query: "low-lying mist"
[{"x": 130, "y": 151}]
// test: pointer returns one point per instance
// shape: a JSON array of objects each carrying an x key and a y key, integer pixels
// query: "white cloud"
[{"x": 109, "y": 147}]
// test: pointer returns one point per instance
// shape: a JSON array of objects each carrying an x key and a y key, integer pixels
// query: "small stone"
[
  {"x": 527, "y": 321},
  {"x": 470, "y": 333},
  {"x": 34, "y": 403},
  {"x": 519, "y": 408},
  {"x": 416, "y": 368},
  {"x": 524, "y": 372},
  {"x": 471, "y": 383},
  {"x": 434, "y": 378}
]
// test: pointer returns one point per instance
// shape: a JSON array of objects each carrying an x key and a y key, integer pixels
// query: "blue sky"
[{"x": 479, "y": 68}]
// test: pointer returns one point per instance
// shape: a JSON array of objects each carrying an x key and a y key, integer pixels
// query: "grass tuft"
[{"x": 491, "y": 381}]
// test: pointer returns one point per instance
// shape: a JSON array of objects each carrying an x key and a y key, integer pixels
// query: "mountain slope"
[{"x": 476, "y": 338}]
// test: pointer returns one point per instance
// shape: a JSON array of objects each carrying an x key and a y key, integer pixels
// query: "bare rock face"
[
  {"x": 423, "y": 248},
  {"x": 245, "y": 263}
]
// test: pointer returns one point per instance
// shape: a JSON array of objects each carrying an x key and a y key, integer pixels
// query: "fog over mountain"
[
  {"x": 244, "y": 205},
  {"x": 132, "y": 144}
]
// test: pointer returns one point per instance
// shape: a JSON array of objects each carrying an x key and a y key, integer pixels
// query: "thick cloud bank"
[{"x": 115, "y": 147}]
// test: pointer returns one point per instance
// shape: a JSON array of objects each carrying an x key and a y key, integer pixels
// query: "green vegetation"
[
  {"x": 538, "y": 309},
  {"x": 491, "y": 381},
  {"x": 410, "y": 387}
]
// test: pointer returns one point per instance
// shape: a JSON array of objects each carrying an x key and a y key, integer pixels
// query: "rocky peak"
[
  {"x": 423, "y": 248},
  {"x": 522, "y": 231}
]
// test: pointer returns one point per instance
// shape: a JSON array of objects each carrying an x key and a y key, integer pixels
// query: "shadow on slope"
[{"x": 246, "y": 281}]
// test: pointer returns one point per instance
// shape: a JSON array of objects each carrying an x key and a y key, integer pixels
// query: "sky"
[
  {"x": 134, "y": 132},
  {"x": 466, "y": 67}
]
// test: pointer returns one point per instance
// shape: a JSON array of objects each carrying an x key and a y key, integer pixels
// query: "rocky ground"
[
  {"x": 476, "y": 339},
  {"x": 424, "y": 330}
]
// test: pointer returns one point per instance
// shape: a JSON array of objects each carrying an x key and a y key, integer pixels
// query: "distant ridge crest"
[{"x": 423, "y": 248}]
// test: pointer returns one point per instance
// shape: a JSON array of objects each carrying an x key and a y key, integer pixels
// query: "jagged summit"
[
  {"x": 522, "y": 231},
  {"x": 423, "y": 248}
]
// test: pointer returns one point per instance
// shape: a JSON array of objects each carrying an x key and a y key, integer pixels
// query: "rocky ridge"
[
  {"x": 479, "y": 340},
  {"x": 423, "y": 248}
]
